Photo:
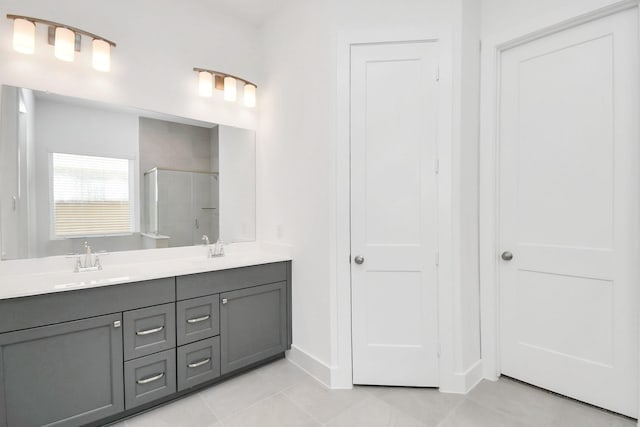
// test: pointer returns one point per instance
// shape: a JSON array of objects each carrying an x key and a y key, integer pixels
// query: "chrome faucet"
[
  {"x": 87, "y": 255},
  {"x": 216, "y": 251},
  {"x": 91, "y": 260},
  {"x": 207, "y": 245}
]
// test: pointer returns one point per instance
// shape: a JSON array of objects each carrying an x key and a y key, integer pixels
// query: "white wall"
[
  {"x": 158, "y": 44},
  {"x": 468, "y": 333},
  {"x": 294, "y": 161},
  {"x": 297, "y": 190}
]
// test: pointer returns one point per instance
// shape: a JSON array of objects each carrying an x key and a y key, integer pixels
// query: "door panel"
[
  {"x": 393, "y": 208},
  {"x": 569, "y": 211}
]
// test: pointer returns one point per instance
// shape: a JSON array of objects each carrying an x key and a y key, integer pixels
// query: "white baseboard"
[
  {"x": 310, "y": 365},
  {"x": 464, "y": 382}
]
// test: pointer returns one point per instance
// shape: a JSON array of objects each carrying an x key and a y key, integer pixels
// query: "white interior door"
[
  {"x": 568, "y": 138},
  {"x": 393, "y": 214}
]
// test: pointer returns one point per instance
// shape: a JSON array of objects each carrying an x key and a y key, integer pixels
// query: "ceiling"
[{"x": 253, "y": 11}]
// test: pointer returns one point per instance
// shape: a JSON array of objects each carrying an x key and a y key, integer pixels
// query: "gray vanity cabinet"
[
  {"x": 66, "y": 374},
  {"x": 253, "y": 325},
  {"x": 92, "y": 356}
]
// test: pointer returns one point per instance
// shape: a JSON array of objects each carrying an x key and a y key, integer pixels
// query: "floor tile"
[
  {"x": 373, "y": 412},
  {"x": 428, "y": 405},
  {"x": 282, "y": 395},
  {"x": 282, "y": 374},
  {"x": 471, "y": 414},
  {"x": 238, "y": 393},
  {"x": 518, "y": 400},
  {"x": 276, "y": 411},
  {"x": 570, "y": 413},
  {"x": 190, "y": 411},
  {"x": 323, "y": 404}
]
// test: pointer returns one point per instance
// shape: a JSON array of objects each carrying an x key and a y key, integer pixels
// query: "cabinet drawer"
[
  {"x": 198, "y": 362},
  {"x": 215, "y": 282},
  {"x": 149, "y": 330},
  {"x": 197, "y": 319},
  {"x": 149, "y": 378}
]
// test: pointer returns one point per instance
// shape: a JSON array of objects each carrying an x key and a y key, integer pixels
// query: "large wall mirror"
[{"x": 119, "y": 178}]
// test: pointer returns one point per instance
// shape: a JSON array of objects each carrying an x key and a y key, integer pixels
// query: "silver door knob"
[
  {"x": 359, "y": 259},
  {"x": 507, "y": 256},
  {"x": 224, "y": 300}
]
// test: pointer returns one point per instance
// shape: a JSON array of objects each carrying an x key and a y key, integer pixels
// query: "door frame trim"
[
  {"x": 340, "y": 292},
  {"x": 492, "y": 49}
]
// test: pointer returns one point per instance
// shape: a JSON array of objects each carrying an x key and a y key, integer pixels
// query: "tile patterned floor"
[{"x": 281, "y": 395}]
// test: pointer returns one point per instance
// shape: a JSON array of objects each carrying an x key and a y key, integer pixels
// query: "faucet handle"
[
  {"x": 205, "y": 239},
  {"x": 76, "y": 265}
]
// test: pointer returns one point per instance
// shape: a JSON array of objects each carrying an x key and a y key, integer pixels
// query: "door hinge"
[
  {"x": 438, "y": 73},
  {"x": 437, "y": 258},
  {"x": 436, "y": 166}
]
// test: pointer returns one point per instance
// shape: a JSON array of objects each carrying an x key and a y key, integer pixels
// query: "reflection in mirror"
[{"x": 75, "y": 170}]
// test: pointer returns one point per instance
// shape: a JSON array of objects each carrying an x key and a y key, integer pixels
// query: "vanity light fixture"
[
  {"x": 208, "y": 79},
  {"x": 65, "y": 44},
  {"x": 205, "y": 84},
  {"x": 24, "y": 36},
  {"x": 249, "y": 95},
  {"x": 230, "y": 89},
  {"x": 66, "y": 40}
]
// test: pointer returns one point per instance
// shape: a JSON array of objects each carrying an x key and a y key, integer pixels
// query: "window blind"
[{"x": 90, "y": 195}]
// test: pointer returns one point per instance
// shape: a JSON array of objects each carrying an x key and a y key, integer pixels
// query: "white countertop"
[{"x": 39, "y": 276}]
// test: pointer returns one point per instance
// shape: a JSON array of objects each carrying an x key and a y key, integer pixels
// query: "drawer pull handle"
[
  {"x": 151, "y": 379},
  {"x": 150, "y": 331},
  {"x": 199, "y": 319},
  {"x": 200, "y": 363}
]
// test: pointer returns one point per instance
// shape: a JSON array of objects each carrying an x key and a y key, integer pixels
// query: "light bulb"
[
  {"x": 230, "y": 89},
  {"x": 249, "y": 95},
  {"x": 205, "y": 84},
  {"x": 65, "y": 44},
  {"x": 24, "y": 36},
  {"x": 101, "y": 54}
]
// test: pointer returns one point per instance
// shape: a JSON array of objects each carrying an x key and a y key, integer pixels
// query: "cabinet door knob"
[
  {"x": 117, "y": 324},
  {"x": 224, "y": 300},
  {"x": 507, "y": 256},
  {"x": 359, "y": 259}
]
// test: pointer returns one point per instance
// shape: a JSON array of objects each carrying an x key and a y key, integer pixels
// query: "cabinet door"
[
  {"x": 62, "y": 375},
  {"x": 253, "y": 325}
]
